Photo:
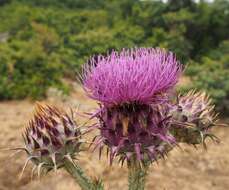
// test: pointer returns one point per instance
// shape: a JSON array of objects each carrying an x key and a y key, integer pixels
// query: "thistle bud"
[
  {"x": 192, "y": 117},
  {"x": 51, "y": 136}
]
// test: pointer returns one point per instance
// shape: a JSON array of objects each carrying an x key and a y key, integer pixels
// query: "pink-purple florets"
[{"x": 137, "y": 75}]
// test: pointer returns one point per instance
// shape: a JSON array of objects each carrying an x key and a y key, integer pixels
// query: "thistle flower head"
[
  {"x": 51, "y": 136},
  {"x": 141, "y": 75},
  {"x": 127, "y": 84},
  {"x": 193, "y": 117}
]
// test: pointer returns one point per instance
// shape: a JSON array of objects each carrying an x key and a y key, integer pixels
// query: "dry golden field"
[{"x": 187, "y": 169}]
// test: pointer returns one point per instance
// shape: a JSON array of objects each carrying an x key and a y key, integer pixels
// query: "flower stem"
[
  {"x": 137, "y": 174},
  {"x": 80, "y": 177}
]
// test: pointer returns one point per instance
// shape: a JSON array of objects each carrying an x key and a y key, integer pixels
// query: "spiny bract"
[{"x": 134, "y": 130}]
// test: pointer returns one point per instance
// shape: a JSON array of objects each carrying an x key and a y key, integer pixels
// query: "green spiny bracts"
[
  {"x": 51, "y": 137},
  {"x": 192, "y": 118}
]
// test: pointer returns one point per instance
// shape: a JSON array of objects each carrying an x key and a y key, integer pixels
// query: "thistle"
[
  {"x": 51, "y": 137},
  {"x": 52, "y": 141},
  {"x": 192, "y": 118},
  {"x": 133, "y": 88}
]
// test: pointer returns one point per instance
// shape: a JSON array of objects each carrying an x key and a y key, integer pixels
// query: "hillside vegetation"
[{"x": 43, "y": 41}]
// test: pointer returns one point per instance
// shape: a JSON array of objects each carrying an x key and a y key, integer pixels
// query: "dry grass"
[{"x": 189, "y": 169}]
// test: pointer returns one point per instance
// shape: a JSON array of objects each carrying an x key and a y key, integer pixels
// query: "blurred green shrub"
[
  {"x": 212, "y": 75},
  {"x": 43, "y": 41},
  {"x": 29, "y": 64}
]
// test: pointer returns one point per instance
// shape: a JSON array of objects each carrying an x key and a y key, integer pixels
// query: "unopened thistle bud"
[
  {"x": 192, "y": 118},
  {"x": 51, "y": 137}
]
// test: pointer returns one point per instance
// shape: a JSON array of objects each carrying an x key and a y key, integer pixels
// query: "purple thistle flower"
[
  {"x": 141, "y": 75},
  {"x": 132, "y": 87}
]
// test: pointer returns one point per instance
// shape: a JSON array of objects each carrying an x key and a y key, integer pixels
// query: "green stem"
[
  {"x": 137, "y": 174},
  {"x": 83, "y": 181}
]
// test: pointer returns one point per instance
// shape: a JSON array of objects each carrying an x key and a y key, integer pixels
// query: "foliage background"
[{"x": 45, "y": 41}]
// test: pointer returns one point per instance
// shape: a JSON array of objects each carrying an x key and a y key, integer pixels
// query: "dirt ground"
[{"x": 187, "y": 169}]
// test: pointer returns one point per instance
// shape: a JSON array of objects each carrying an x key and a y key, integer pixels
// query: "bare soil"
[{"x": 187, "y": 169}]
